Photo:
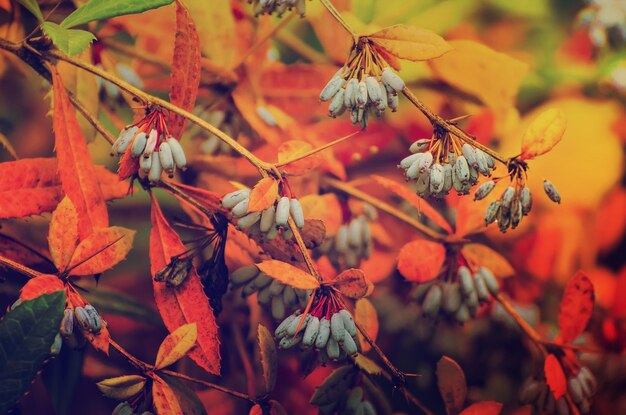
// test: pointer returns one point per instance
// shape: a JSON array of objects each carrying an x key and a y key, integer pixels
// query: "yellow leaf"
[
  {"x": 365, "y": 314},
  {"x": 479, "y": 255},
  {"x": 263, "y": 194},
  {"x": 176, "y": 345},
  {"x": 288, "y": 274},
  {"x": 122, "y": 387},
  {"x": 543, "y": 133},
  {"x": 410, "y": 43}
]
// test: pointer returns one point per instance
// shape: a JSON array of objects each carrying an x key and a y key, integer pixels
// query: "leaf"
[
  {"x": 44, "y": 284},
  {"x": 479, "y": 255},
  {"x": 483, "y": 408},
  {"x": 188, "y": 400},
  {"x": 32, "y": 186},
  {"x": 121, "y": 387},
  {"x": 186, "y": 303},
  {"x": 351, "y": 283},
  {"x": 33, "y": 7},
  {"x": 292, "y": 149},
  {"x": 263, "y": 194},
  {"x": 543, "y": 133},
  {"x": 185, "y": 68},
  {"x": 421, "y": 260},
  {"x": 313, "y": 233},
  {"x": 70, "y": 41},
  {"x": 164, "y": 399},
  {"x": 452, "y": 385},
  {"x": 555, "y": 377},
  {"x": 269, "y": 357},
  {"x": 576, "y": 307},
  {"x": 77, "y": 172},
  {"x": 288, "y": 274},
  {"x": 365, "y": 314},
  {"x": 410, "y": 43},
  {"x": 335, "y": 386},
  {"x": 176, "y": 345},
  {"x": 368, "y": 365},
  {"x": 420, "y": 204},
  {"x": 104, "y": 9},
  {"x": 102, "y": 250},
  {"x": 100, "y": 341},
  {"x": 26, "y": 334},
  {"x": 63, "y": 233},
  {"x": 324, "y": 207}
]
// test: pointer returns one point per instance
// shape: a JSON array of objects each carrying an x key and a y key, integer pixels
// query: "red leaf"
[
  {"x": 555, "y": 376},
  {"x": 33, "y": 186},
  {"x": 101, "y": 340},
  {"x": 421, "y": 260},
  {"x": 576, "y": 306},
  {"x": 128, "y": 166},
  {"x": 77, "y": 171},
  {"x": 185, "y": 68},
  {"x": 44, "y": 284},
  {"x": 483, "y": 408},
  {"x": 186, "y": 303}
]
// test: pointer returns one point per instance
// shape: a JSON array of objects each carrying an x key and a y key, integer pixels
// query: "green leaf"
[
  {"x": 26, "y": 334},
  {"x": 103, "y": 9},
  {"x": 32, "y": 7},
  {"x": 70, "y": 41}
]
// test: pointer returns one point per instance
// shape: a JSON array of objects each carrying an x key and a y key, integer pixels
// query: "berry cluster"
[
  {"x": 605, "y": 19},
  {"x": 78, "y": 320},
  {"x": 268, "y": 222},
  {"x": 441, "y": 163},
  {"x": 278, "y": 6},
  {"x": 271, "y": 292},
  {"x": 150, "y": 141}
]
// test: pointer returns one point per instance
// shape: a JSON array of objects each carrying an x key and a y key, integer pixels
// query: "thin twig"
[{"x": 30, "y": 273}]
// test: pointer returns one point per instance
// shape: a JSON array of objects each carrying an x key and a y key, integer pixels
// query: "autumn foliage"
[{"x": 312, "y": 206}]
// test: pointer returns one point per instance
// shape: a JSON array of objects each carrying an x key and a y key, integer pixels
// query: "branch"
[
  {"x": 30, "y": 273},
  {"x": 337, "y": 16}
]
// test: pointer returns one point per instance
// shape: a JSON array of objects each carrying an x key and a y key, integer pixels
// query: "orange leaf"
[
  {"x": 555, "y": 376},
  {"x": 365, "y": 314},
  {"x": 325, "y": 208},
  {"x": 128, "y": 165},
  {"x": 292, "y": 149},
  {"x": 263, "y": 194},
  {"x": 63, "y": 233},
  {"x": 176, "y": 345},
  {"x": 164, "y": 399},
  {"x": 543, "y": 133},
  {"x": 185, "y": 68},
  {"x": 43, "y": 284},
  {"x": 483, "y": 408},
  {"x": 101, "y": 340},
  {"x": 576, "y": 306},
  {"x": 288, "y": 274},
  {"x": 351, "y": 283},
  {"x": 405, "y": 193},
  {"x": 479, "y": 255},
  {"x": 452, "y": 385},
  {"x": 102, "y": 250},
  {"x": 411, "y": 43},
  {"x": 186, "y": 303},
  {"x": 76, "y": 169},
  {"x": 421, "y": 260}
]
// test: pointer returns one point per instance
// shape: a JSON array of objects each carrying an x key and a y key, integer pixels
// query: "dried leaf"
[
  {"x": 555, "y": 377},
  {"x": 452, "y": 385},
  {"x": 63, "y": 234},
  {"x": 576, "y": 307},
  {"x": 483, "y": 408},
  {"x": 410, "y": 43},
  {"x": 186, "y": 303},
  {"x": 422, "y": 206},
  {"x": 313, "y": 233},
  {"x": 121, "y": 387},
  {"x": 365, "y": 314},
  {"x": 543, "y": 133},
  {"x": 479, "y": 255},
  {"x": 164, "y": 399},
  {"x": 77, "y": 171},
  {"x": 185, "y": 68},
  {"x": 288, "y": 274},
  {"x": 43, "y": 284},
  {"x": 102, "y": 250},
  {"x": 421, "y": 260},
  {"x": 176, "y": 345},
  {"x": 351, "y": 283},
  {"x": 324, "y": 207},
  {"x": 269, "y": 357},
  {"x": 263, "y": 194}
]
